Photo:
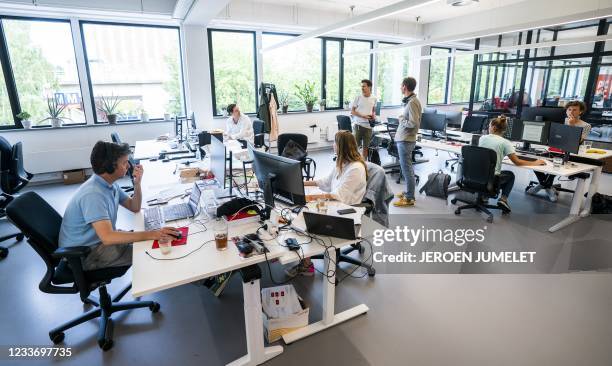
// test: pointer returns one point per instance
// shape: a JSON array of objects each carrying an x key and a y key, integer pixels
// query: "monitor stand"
[{"x": 268, "y": 191}]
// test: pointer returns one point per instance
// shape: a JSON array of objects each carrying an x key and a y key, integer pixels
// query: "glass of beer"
[{"x": 220, "y": 232}]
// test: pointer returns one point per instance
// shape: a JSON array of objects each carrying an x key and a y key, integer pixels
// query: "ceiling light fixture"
[{"x": 461, "y": 2}]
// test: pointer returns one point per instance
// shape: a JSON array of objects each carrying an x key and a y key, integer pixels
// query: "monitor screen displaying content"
[
  {"x": 287, "y": 183},
  {"x": 534, "y": 132}
]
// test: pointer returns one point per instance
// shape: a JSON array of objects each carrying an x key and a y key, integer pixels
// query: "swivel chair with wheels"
[
  {"x": 478, "y": 176},
  {"x": 302, "y": 141},
  {"x": 344, "y": 123},
  {"x": 41, "y": 225},
  {"x": 259, "y": 135},
  {"x": 471, "y": 124}
]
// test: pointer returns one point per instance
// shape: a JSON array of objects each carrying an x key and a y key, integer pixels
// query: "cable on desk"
[{"x": 181, "y": 257}]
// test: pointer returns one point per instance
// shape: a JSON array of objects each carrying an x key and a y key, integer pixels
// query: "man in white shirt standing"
[
  {"x": 238, "y": 126},
  {"x": 364, "y": 110}
]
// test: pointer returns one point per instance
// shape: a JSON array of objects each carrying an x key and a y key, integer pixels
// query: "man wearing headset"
[{"x": 91, "y": 214}]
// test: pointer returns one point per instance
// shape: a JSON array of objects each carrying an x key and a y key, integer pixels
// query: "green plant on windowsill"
[
  {"x": 284, "y": 101},
  {"x": 55, "y": 110},
  {"x": 24, "y": 117},
  {"x": 108, "y": 106},
  {"x": 306, "y": 94}
]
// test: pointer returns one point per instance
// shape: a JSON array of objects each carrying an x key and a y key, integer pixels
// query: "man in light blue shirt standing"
[{"x": 91, "y": 214}]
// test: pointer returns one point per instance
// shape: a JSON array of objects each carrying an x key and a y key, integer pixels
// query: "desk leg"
[
  {"x": 593, "y": 187},
  {"x": 256, "y": 352},
  {"x": 574, "y": 208},
  {"x": 329, "y": 318}
]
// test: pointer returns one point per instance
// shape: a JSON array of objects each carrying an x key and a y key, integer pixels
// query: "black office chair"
[
  {"x": 471, "y": 124},
  {"x": 13, "y": 178},
  {"x": 302, "y": 141},
  {"x": 478, "y": 176},
  {"x": 259, "y": 138},
  {"x": 392, "y": 151},
  {"x": 344, "y": 123},
  {"x": 116, "y": 139},
  {"x": 41, "y": 225}
]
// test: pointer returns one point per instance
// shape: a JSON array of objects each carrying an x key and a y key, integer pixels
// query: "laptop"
[
  {"x": 329, "y": 225},
  {"x": 153, "y": 217}
]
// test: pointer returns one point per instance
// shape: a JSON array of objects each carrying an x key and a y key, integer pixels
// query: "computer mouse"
[
  {"x": 165, "y": 160},
  {"x": 178, "y": 236}
]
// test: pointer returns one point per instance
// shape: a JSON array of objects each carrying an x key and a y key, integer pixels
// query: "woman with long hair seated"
[{"x": 345, "y": 183}]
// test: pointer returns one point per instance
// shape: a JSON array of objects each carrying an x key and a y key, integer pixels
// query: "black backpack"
[
  {"x": 601, "y": 204},
  {"x": 436, "y": 185}
]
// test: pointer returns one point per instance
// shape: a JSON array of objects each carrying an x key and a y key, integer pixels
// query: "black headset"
[{"x": 109, "y": 164}]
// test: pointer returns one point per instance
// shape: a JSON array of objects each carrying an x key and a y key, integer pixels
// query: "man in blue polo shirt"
[{"x": 91, "y": 214}]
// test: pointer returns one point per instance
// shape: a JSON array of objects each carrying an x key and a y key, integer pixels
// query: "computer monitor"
[
  {"x": 217, "y": 161},
  {"x": 565, "y": 137},
  {"x": 534, "y": 132},
  {"x": 194, "y": 126},
  {"x": 433, "y": 122},
  {"x": 551, "y": 114},
  {"x": 279, "y": 177},
  {"x": 377, "y": 108},
  {"x": 453, "y": 119},
  {"x": 393, "y": 121}
]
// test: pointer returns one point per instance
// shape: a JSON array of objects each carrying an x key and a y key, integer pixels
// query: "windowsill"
[
  {"x": 290, "y": 113},
  {"x": 47, "y": 128}
]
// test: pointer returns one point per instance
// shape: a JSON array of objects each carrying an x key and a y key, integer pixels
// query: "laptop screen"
[{"x": 194, "y": 199}]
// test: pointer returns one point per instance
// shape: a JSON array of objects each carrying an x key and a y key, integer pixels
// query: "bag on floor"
[
  {"x": 601, "y": 204},
  {"x": 436, "y": 185}
]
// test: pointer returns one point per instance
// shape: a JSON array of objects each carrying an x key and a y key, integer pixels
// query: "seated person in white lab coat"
[
  {"x": 345, "y": 183},
  {"x": 238, "y": 126}
]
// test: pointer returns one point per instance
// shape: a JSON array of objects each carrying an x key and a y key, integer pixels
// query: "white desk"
[
  {"x": 150, "y": 275},
  {"x": 147, "y": 149}
]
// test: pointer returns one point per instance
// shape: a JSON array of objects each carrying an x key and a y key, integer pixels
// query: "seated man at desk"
[
  {"x": 91, "y": 214},
  {"x": 495, "y": 141},
  {"x": 238, "y": 126},
  {"x": 574, "y": 111},
  {"x": 345, "y": 183}
]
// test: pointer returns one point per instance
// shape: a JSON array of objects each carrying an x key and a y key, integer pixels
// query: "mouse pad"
[{"x": 182, "y": 241}]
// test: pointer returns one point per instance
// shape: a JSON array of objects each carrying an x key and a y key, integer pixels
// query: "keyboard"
[
  {"x": 176, "y": 212},
  {"x": 152, "y": 218}
]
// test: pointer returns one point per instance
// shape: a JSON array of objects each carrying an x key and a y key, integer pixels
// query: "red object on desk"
[
  {"x": 182, "y": 241},
  {"x": 555, "y": 150},
  {"x": 240, "y": 215}
]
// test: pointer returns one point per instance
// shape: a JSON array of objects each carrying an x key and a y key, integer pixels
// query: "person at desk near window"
[
  {"x": 495, "y": 141},
  {"x": 238, "y": 126},
  {"x": 574, "y": 111},
  {"x": 91, "y": 214},
  {"x": 364, "y": 111},
  {"x": 346, "y": 183}
]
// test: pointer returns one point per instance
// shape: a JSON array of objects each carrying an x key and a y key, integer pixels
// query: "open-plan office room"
[{"x": 246, "y": 182}]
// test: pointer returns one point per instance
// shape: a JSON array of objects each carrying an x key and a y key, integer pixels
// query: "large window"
[
  {"x": 356, "y": 68},
  {"x": 44, "y": 67},
  {"x": 139, "y": 65},
  {"x": 462, "y": 78},
  {"x": 6, "y": 114},
  {"x": 392, "y": 68},
  {"x": 438, "y": 76},
  {"x": 332, "y": 74},
  {"x": 291, "y": 66},
  {"x": 233, "y": 70}
]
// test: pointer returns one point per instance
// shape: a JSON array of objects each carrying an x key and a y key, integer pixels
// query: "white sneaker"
[
  {"x": 534, "y": 190},
  {"x": 552, "y": 194}
]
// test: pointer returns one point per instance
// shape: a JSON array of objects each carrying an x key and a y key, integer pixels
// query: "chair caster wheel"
[
  {"x": 371, "y": 272},
  {"x": 154, "y": 307},
  {"x": 489, "y": 220},
  {"x": 19, "y": 237},
  {"x": 454, "y": 201},
  {"x": 57, "y": 337},
  {"x": 105, "y": 344},
  {"x": 527, "y": 188},
  {"x": 3, "y": 253},
  {"x": 457, "y": 212}
]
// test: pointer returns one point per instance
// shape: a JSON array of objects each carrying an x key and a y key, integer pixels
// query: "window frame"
[
  {"x": 383, "y": 106},
  {"x": 87, "y": 70},
  {"x": 446, "y": 78}
]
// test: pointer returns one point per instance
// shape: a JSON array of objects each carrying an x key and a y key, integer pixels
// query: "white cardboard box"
[{"x": 276, "y": 327}]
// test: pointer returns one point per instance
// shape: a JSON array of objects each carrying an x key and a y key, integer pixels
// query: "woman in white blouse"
[{"x": 346, "y": 183}]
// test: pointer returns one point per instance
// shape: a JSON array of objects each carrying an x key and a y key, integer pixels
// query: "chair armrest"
[{"x": 72, "y": 252}]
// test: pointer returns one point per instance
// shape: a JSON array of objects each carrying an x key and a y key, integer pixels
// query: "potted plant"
[
  {"x": 306, "y": 94},
  {"x": 55, "y": 112},
  {"x": 347, "y": 103},
  {"x": 144, "y": 116},
  {"x": 322, "y": 105},
  {"x": 25, "y": 119},
  {"x": 108, "y": 106},
  {"x": 284, "y": 101}
]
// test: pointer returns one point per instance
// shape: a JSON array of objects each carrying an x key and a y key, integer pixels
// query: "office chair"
[
  {"x": 13, "y": 178},
  {"x": 344, "y": 123},
  {"x": 41, "y": 225},
  {"x": 259, "y": 138},
  {"x": 392, "y": 151},
  {"x": 471, "y": 124},
  {"x": 116, "y": 139},
  {"x": 302, "y": 141},
  {"x": 430, "y": 110},
  {"x": 478, "y": 176}
]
